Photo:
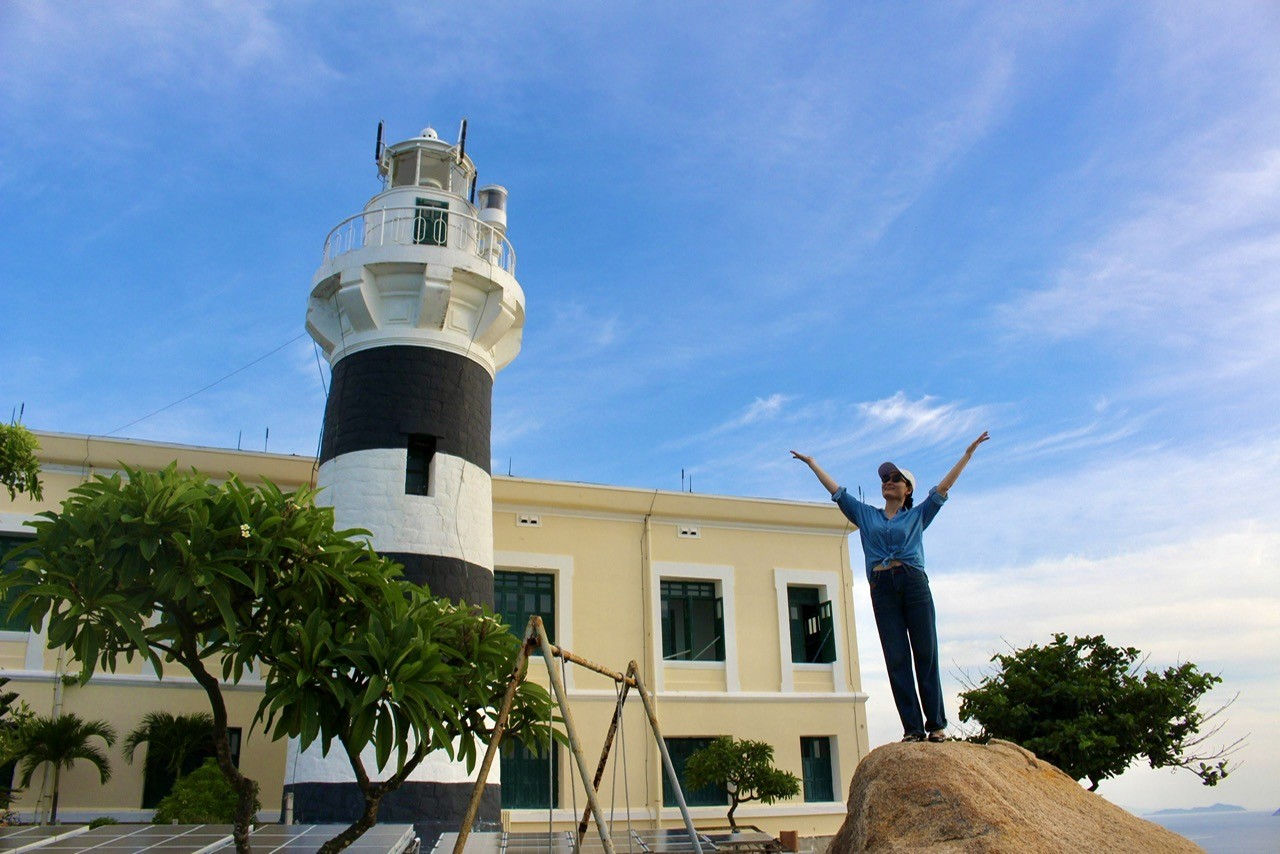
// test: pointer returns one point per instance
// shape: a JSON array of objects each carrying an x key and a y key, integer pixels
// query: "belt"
[{"x": 893, "y": 564}]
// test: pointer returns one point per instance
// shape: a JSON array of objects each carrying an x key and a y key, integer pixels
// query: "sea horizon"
[{"x": 1225, "y": 832}]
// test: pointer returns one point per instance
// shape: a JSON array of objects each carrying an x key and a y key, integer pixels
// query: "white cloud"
[
  {"x": 1095, "y": 434},
  {"x": 925, "y": 419}
]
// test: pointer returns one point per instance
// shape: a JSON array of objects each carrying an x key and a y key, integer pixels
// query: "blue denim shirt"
[{"x": 884, "y": 539}]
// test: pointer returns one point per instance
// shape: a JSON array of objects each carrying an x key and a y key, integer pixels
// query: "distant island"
[{"x": 1214, "y": 808}]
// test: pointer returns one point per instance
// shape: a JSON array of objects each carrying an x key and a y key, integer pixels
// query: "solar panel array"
[
  {"x": 196, "y": 839},
  {"x": 632, "y": 842}
]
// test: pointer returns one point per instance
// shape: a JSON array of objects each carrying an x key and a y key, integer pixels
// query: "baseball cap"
[{"x": 890, "y": 468}]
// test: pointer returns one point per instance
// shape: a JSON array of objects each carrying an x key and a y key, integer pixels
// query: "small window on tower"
[{"x": 417, "y": 470}]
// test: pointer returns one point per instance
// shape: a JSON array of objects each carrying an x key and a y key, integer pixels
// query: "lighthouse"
[{"x": 417, "y": 307}]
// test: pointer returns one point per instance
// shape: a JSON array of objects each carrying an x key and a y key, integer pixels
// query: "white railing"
[{"x": 421, "y": 226}]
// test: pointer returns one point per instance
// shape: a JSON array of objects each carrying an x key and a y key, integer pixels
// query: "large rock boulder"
[{"x": 984, "y": 798}]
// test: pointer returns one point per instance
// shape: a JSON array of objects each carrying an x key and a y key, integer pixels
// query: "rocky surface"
[{"x": 984, "y": 798}]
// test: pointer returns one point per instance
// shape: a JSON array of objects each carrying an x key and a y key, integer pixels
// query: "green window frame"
[
  {"x": 431, "y": 223},
  {"x": 517, "y": 596},
  {"x": 16, "y": 623},
  {"x": 417, "y": 466},
  {"x": 530, "y": 779},
  {"x": 812, "y": 626},
  {"x": 692, "y": 621},
  {"x": 815, "y": 762},
  {"x": 680, "y": 749}
]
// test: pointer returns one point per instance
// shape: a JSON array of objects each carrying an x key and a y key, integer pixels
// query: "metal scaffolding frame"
[{"x": 536, "y": 636}]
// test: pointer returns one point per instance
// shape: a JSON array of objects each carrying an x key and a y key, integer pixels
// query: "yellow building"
[{"x": 737, "y": 611}]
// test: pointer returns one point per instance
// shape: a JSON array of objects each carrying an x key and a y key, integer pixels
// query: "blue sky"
[{"x": 865, "y": 231}]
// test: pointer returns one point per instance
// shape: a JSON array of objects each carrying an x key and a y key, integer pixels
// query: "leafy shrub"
[
  {"x": 102, "y": 820},
  {"x": 202, "y": 797}
]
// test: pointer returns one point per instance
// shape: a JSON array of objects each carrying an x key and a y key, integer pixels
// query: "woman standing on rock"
[{"x": 893, "y": 545}]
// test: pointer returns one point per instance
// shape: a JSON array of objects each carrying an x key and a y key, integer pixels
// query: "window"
[
  {"x": 680, "y": 749},
  {"x": 517, "y": 596},
  {"x": 530, "y": 780},
  {"x": 815, "y": 759},
  {"x": 158, "y": 781},
  {"x": 417, "y": 468},
  {"x": 431, "y": 223},
  {"x": 692, "y": 621},
  {"x": 17, "y": 623},
  {"x": 812, "y": 627}
]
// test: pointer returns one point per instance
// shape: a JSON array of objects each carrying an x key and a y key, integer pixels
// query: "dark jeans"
[{"x": 906, "y": 621}]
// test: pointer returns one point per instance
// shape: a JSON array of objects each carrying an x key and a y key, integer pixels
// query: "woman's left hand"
[{"x": 978, "y": 441}]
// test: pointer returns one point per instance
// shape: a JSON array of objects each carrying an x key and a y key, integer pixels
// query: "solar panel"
[
  {"x": 280, "y": 838},
  {"x": 666, "y": 841},
  {"x": 197, "y": 839},
  {"x": 29, "y": 836}
]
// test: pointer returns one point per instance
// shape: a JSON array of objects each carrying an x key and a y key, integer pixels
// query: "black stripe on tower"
[
  {"x": 433, "y": 808},
  {"x": 381, "y": 397},
  {"x": 451, "y": 577}
]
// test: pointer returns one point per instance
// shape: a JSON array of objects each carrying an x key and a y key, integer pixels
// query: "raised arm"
[
  {"x": 949, "y": 481},
  {"x": 826, "y": 479}
]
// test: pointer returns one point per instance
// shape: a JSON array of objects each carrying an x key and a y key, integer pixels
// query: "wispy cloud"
[
  {"x": 747, "y": 453},
  {"x": 1095, "y": 434},
  {"x": 925, "y": 420},
  {"x": 761, "y": 408}
]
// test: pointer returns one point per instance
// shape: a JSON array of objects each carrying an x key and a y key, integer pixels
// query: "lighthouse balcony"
[{"x": 425, "y": 226}]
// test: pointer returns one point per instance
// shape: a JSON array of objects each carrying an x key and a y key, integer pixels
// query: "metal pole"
[
  {"x": 604, "y": 755},
  {"x": 499, "y": 727},
  {"x": 574, "y": 745},
  {"x": 573, "y": 658},
  {"x": 633, "y": 670}
]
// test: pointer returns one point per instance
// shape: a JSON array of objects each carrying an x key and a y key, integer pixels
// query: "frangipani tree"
[
  {"x": 410, "y": 675},
  {"x": 220, "y": 577}
]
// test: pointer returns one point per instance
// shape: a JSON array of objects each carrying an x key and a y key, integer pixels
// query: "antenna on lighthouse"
[
  {"x": 462, "y": 141},
  {"x": 379, "y": 146}
]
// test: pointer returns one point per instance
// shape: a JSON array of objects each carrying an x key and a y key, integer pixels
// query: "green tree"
[
  {"x": 1091, "y": 709},
  {"x": 398, "y": 668},
  {"x": 61, "y": 742},
  {"x": 19, "y": 468},
  {"x": 204, "y": 796},
  {"x": 744, "y": 768},
  {"x": 174, "y": 744},
  {"x": 219, "y": 577}
]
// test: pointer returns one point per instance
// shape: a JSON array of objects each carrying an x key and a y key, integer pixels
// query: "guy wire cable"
[{"x": 207, "y": 387}]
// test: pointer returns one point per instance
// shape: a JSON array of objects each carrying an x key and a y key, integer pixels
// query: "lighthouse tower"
[{"x": 417, "y": 307}]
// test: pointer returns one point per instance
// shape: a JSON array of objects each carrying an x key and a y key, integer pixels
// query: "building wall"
[{"x": 608, "y": 548}]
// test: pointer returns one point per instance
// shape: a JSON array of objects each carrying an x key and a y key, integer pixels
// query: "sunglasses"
[{"x": 892, "y": 478}]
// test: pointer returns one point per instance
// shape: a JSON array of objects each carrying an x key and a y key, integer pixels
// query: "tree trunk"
[
  {"x": 373, "y": 793},
  {"x": 57, "y": 778},
  {"x": 732, "y": 809},
  {"x": 245, "y": 788},
  {"x": 358, "y": 827}
]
